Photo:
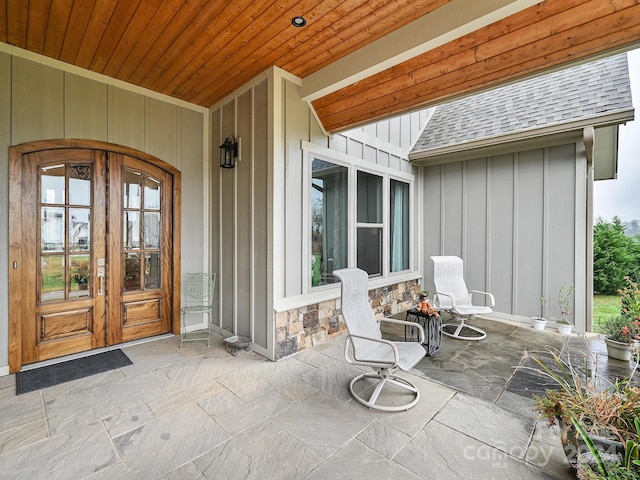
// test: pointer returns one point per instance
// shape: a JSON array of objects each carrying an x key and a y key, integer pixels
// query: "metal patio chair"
[
  {"x": 452, "y": 296},
  {"x": 366, "y": 347},
  {"x": 199, "y": 288}
]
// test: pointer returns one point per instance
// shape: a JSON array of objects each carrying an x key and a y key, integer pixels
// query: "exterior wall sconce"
[{"x": 229, "y": 152}]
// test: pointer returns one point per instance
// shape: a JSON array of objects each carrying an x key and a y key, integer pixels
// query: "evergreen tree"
[{"x": 615, "y": 256}]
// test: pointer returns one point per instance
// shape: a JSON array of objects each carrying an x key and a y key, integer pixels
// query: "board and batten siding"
[
  {"x": 385, "y": 144},
  {"x": 517, "y": 220},
  {"x": 42, "y": 99},
  {"x": 257, "y": 208},
  {"x": 240, "y": 213}
]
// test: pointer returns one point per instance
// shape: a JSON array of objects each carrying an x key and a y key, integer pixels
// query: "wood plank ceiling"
[{"x": 202, "y": 50}]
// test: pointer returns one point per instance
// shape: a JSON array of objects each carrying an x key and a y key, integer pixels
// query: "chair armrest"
[
  {"x": 405, "y": 322},
  {"x": 491, "y": 298},
  {"x": 396, "y": 355},
  {"x": 453, "y": 301}
]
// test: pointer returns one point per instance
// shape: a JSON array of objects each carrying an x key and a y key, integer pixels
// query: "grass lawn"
[{"x": 604, "y": 306}]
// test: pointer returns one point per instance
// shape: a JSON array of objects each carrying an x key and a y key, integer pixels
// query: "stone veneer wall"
[{"x": 314, "y": 324}]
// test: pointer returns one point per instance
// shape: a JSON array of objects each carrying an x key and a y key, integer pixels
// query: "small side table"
[{"x": 432, "y": 330}]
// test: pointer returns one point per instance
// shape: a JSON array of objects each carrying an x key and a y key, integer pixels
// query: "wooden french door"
[{"x": 92, "y": 251}]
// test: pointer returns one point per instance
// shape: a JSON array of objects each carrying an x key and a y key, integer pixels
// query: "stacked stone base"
[{"x": 314, "y": 324}]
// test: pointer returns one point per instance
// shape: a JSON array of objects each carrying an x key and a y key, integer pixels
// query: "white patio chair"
[
  {"x": 365, "y": 345},
  {"x": 452, "y": 296}
]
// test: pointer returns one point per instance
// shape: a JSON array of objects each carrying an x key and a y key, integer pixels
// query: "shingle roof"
[{"x": 586, "y": 91}]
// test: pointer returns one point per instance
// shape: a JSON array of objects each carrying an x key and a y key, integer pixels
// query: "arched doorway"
[{"x": 93, "y": 248}]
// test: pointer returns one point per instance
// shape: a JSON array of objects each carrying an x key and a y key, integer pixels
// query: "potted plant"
[
  {"x": 622, "y": 332},
  {"x": 81, "y": 278},
  {"x": 620, "y": 336},
  {"x": 540, "y": 322},
  {"x": 598, "y": 419},
  {"x": 565, "y": 302}
]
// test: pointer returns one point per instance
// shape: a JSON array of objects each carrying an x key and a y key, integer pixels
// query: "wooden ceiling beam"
[
  {"x": 435, "y": 77},
  {"x": 517, "y": 30},
  {"x": 451, "y": 21}
]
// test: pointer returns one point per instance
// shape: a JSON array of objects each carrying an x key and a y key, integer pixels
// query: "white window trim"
[{"x": 353, "y": 164}]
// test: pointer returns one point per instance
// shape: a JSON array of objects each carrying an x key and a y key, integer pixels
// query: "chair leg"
[
  {"x": 459, "y": 329},
  {"x": 182, "y": 330},
  {"x": 383, "y": 377}
]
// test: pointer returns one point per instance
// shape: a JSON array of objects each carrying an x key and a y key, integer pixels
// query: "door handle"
[{"x": 100, "y": 280}]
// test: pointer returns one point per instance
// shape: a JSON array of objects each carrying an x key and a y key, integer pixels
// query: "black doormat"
[{"x": 51, "y": 375}]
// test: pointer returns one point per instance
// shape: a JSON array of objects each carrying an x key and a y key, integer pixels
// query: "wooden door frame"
[{"x": 15, "y": 230}]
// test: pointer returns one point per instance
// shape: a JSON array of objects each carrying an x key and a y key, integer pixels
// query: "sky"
[{"x": 621, "y": 196}]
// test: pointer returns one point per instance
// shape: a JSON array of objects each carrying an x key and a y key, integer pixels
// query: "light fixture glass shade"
[{"x": 228, "y": 152}]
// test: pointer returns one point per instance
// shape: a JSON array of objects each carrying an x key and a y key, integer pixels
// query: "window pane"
[
  {"x": 151, "y": 229},
  {"x": 52, "y": 229},
  {"x": 131, "y": 263},
  {"x": 131, "y": 188},
  {"x": 151, "y": 193},
  {"x": 399, "y": 218},
  {"x": 52, "y": 275},
  {"x": 369, "y": 198},
  {"x": 79, "y": 231},
  {"x": 328, "y": 221},
  {"x": 151, "y": 270},
  {"x": 370, "y": 250},
  {"x": 79, "y": 276},
  {"x": 80, "y": 184},
  {"x": 52, "y": 188},
  {"x": 131, "y": 230}
]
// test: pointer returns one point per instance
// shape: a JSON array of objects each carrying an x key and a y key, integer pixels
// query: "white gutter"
[{"x": 617, "y": 117}]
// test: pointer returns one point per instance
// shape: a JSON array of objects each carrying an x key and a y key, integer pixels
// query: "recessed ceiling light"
[{"x": 298, "y": 22}]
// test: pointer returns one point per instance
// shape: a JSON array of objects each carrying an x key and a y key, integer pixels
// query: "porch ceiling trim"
[
  {"x": 551, "y": 35},
  {"x": 449, "y": 22}
]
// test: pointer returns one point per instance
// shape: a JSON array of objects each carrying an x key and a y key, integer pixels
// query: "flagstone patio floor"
[{"x": 202, "y": 413}]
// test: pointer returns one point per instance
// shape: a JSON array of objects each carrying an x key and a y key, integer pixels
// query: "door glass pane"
[
  {"x": 131, "y": 188},
  {"x": 151, "y": 229},
  {"x": 131, "y": 230},
  {"x": 142, "y": 231},
  {"x": 65, "y": 227},
  {"x": 131, "y": 265},
  {"x": 52, "y": 187},
  {"x": 151, "y": 193},
  {"x": 79, "y": 276},
  {"x": 80, "y": 184},
  {"x": 328, "y": 221},
  {"x": 52, "y": 229},
  {"x": 151, "y": 270},
  {"x": 79, "y": 229},
  {"x": 52, "y": 275},
  {"x": 370, "y": 250}
]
